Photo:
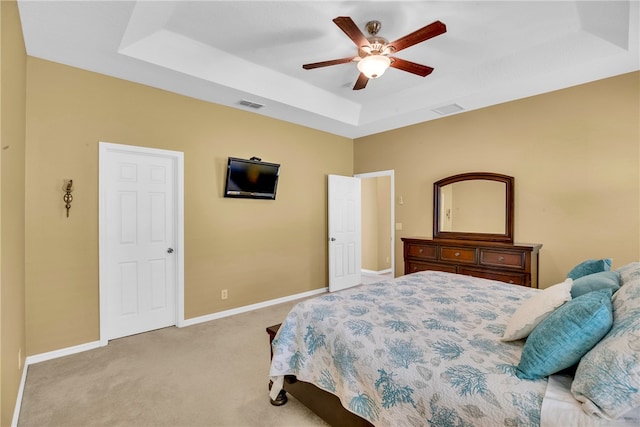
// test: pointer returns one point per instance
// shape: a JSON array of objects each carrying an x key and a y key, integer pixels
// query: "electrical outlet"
[
  {"x": 224, "y": 294},
  {"x": 19, "y": 359}
]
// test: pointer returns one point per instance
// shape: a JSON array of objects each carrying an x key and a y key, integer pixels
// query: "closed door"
[
  {"x": 139, "y": 247},
  {"x": 345, "y": 245}
]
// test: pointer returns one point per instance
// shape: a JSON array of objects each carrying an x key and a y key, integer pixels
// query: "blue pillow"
[
  {"x": 595, "y": 282},
  {"x": 567, "y": 334},
  {"x": 607, "y": 380},
  {"x": 590, "y": 266}
]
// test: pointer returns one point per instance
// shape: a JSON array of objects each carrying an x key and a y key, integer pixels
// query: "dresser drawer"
[
  {"x": 459, "y": 255},
  {"x": 505, "y": 262},
  {"x": 421, "y": 251},
  {"x": 414, "y": 266},
  {"x": 502, "y": 276},
  {"x": 499, "y": 258}
]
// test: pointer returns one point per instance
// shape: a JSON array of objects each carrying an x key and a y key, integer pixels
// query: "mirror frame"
[{"x": 507, "y": 237}]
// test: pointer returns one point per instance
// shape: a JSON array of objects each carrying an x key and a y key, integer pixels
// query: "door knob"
[
  {"x": 333, "y": 239},
  {"x": 170, "y": 250}
]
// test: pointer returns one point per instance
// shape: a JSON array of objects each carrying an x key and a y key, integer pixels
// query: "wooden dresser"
[{"x": 506, "y": 262}]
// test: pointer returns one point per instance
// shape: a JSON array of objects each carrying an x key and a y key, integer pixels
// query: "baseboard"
[
  {"x": 246, "y": 308},
  {"x": 18, "y": 406},
  {"x": 42, "y": 357},
  {"x": 376, "y": 273},
  {"x": 29, "y": 360}
]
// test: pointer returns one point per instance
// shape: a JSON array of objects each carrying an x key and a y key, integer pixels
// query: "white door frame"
[
  {"x": 392, "y": 198},
  {"x": 178, "y": 159}
]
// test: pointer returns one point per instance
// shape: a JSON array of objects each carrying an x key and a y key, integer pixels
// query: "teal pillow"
[
  {"x": 607, "y": 380},
  {"x": 567, "y": 334},
  {"x": 590, "y": 266},
  {"x": 595, "y": 282}
]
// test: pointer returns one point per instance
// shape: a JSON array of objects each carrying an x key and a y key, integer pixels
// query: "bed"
[{"x": 428, "y": 349}]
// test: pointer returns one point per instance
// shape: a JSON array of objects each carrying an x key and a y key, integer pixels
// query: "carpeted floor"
[{"x": 211, "y": 374}]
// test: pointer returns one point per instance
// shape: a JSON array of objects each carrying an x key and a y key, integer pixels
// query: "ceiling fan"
[{"x": 374, "y": 52}]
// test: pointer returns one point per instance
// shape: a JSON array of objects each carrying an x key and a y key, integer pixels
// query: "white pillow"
[{"x": 535, "y": 309}]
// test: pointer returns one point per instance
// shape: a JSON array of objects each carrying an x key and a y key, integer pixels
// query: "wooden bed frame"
[{"x": 324, "y": 404}]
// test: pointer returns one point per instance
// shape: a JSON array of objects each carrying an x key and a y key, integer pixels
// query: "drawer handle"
[
  {"x": 415, "y": 268},
  {"x": 421, "y": 250},
  {"x": 501, "y": 258},
  {"x": 457, "y": 254},
  {"x": 511, "y": 282}
]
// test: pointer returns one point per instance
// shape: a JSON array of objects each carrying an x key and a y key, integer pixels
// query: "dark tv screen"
[{"x": 251, "y": 179}]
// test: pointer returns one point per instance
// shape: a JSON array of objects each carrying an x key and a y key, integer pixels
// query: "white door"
[
  {"x": 345, "y": 246},
  {"x": 139, "y": 243}
]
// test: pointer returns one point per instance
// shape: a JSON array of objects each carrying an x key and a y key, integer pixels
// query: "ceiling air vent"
[
  {"x": 448, "y": 109},
  {"x": 250, "y": 104}
]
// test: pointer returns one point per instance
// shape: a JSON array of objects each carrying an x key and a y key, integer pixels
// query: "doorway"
[
  {"x": 141, "y": 228},
  {"x": 378, "y": 232}
]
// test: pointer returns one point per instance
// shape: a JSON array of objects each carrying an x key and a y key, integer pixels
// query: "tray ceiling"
[{"x": 248, "y": 54}]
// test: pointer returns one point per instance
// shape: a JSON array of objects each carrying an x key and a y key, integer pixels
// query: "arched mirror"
[{"x": 474, "y": 206}]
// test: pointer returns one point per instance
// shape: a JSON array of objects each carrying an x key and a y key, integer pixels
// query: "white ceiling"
[{"x": 228, "y": 51}]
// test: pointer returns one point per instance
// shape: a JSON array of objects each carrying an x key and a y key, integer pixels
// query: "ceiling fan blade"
[
  {"x": 352, "y": 31},
  {"x": 327, "y": 63},
  {"x": 425, "y": 33},
  {"x": 361, "y": 83},
  {"x": 411, "y": 67}
]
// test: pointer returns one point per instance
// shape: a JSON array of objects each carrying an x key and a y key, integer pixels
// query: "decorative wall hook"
[{"x": 68, "y": 198}]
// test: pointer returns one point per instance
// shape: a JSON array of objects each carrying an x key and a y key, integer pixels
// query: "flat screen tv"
[{"x": 251, "y": 179}]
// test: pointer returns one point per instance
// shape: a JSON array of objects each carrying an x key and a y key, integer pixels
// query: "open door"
[{"x": 345, "y": 240}]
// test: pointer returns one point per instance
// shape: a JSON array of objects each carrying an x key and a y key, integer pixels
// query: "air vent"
[
  {"x": 448, "y": 109},
  {"x": 250, "y": 104}
]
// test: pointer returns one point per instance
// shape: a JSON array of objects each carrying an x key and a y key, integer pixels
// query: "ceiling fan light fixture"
[
  {"x": 374, "y": 52},
  {"x": 373, "y": 66}
]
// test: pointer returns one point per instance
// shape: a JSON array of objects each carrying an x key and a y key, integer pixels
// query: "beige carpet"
[{"x": 211, "y": 374}]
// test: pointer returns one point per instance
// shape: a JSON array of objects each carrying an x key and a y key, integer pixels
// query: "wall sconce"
[{"x": 68, "y": 198}]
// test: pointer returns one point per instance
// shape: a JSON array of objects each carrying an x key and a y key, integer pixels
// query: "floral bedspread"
[{"x": 421, "y": 349}]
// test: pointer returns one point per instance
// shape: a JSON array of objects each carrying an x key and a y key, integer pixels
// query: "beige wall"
[
  {"x": 12, "y": 197},
  {"x": 257, "y": 249},
  {"x": 575, "y": 156}
]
